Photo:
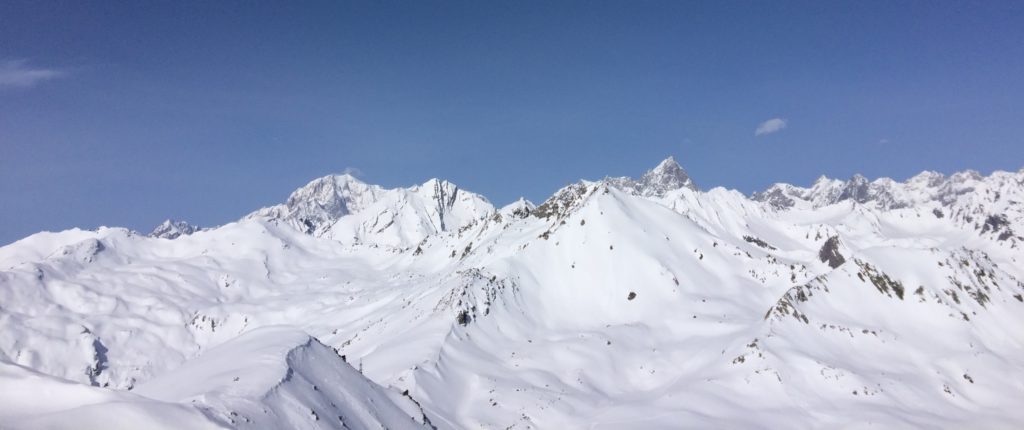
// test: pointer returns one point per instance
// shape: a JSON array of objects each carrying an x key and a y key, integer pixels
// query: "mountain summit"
[
  {"x": 314, "y": 207},
  {"x": 664, "y": 178},
  {"x": 667, "y": 176},
  {"x": 171, "y": 229},
  {"x": 348, "y": 210}
]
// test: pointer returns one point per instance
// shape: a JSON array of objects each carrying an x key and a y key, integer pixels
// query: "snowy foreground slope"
[{"x": 617, "y": 303}]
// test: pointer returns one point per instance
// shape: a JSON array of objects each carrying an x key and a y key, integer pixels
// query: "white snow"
[{"x": 619, "y": 303}]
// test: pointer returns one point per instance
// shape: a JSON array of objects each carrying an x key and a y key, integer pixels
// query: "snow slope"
[
  {"x": 279, "y": 377},
  {"x": 32, "y": 400},
  {"x": 272, "y": 377},
  {"x": 615, "y": 303}
]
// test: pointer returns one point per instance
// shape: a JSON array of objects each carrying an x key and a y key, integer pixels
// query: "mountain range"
[{"x": 615, "y": 303}]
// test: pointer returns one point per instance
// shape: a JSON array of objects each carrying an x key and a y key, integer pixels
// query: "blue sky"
[{"x": 126, "y": 113}]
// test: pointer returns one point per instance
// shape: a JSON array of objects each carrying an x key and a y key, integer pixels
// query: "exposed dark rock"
[
  {"x": 995, "y": 224},
  {"x": 758, "y": 242},
  {"x": 563, "y": 202},
  {"x": 829, "y": 253},
  {"x": 775, "y": 197},
  {"x": 172, "y": 229},
  {"x": 880, "y": 280},
  {"x": 463, "y": 318}
]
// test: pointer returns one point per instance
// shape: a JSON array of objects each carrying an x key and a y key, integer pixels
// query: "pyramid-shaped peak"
[
  {"x": 433, "y": 183},
  {"x": 668, "y": 164},
  {"x": 666, "y": 176}
]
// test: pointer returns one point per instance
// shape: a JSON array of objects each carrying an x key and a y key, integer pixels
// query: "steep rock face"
[
  {"x": 829, "y": 253},
  {"x": 667, "y": 176}
]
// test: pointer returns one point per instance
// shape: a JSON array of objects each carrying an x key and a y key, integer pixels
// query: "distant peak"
[
  {"x": 327, "y": 184},
  {"x": 929, "y": 174},
  {"x": 883, "y": 193},
  {"x": 968, "y": 174},
  {"x": 666, "y": 176},
  {"x": 171, "y": 229},
  {"x": 858, "y": 178},
  {"x": 520, "y": 208},
  {"x": 668, "y": 163},
  {"x": 522, "y": 202},
  {"x": 318, "y": 204},
  {"x": 434, "y": 182}
]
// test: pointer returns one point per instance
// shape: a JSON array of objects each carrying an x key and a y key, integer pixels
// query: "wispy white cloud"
[
  {"x": 770, "y": 126},
  {"x": 19, "y": 74}
]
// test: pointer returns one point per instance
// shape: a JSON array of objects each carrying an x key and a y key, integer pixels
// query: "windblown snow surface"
[{"x": 616, "y": 303}]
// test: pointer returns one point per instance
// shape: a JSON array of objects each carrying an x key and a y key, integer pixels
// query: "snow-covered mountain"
[
  {"x": 345, "y": 209},
  {"x": 992, "y": 205},
  {"x": 616, "y": 303},
  {"x": 171, "y": 229},
  {"x": 665, "y": 177},
  {"x": 269, "y": 377}
]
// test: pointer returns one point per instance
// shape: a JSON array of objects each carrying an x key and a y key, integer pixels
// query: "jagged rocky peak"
[
  {"x": 776, "y": 196},
  {"x": 172, "y": 229},
  {"x": 885, "y": 193},
  {"x": 826, "y": 191},
  {"x": 856, "y": 189},
  {"x": 565, "y": 200},
  {"x": 927, "y": 178},
  {"x": 667, "y": 176}
]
